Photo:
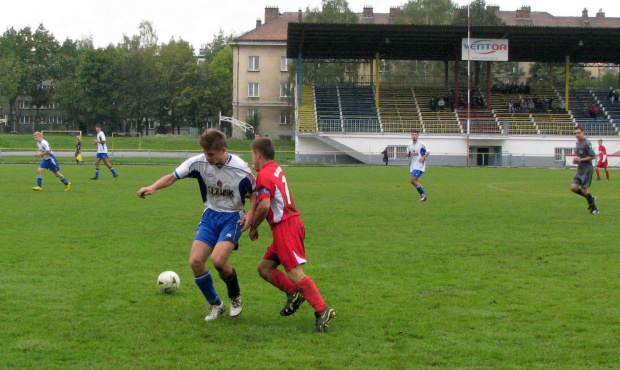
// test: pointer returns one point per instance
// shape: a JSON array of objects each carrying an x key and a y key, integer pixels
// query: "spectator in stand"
[
  {"x": 593, "y": 110},
  {"x": 531, "y": 107},
  {"x": 432, "y": 105},
  {"x": 601, "y": 161},
  {"x": 441, "y": 105},
  {"x": 511, "y": 107}
]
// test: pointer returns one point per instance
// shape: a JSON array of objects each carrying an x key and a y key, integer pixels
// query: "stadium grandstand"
[{"x": 353, "y": 121}]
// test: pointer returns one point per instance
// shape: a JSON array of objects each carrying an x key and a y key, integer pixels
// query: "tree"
[
  {"x": 429, "y": 12},
  {"x": 332, "y": 11},
  {"x": 478, "y": 14},
  {"x": 9, "y": 78}
]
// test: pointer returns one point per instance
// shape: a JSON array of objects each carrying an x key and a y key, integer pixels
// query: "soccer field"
[{"x": 502, "y": 267}]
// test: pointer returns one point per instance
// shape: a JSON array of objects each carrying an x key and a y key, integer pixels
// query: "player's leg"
[
  {"x": 220, "y": 259},
  {"x": 97, "y": 162},
  {"x": 415, "y": 181},
  {"x": 106, "y": 161},
  {"x": 307, "y": 288},
  {"x": 39, "y": 179},
  {"x": 598, "y": 175},
  {"x": 63, "y": 180},
  {"x": 202, "y": 277}
]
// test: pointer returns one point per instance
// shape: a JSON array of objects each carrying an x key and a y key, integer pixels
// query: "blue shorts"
[
  {"x": 50, "y": 164},
  {"x": 416, "y": 173},
  {"x": 102, "y": 155},
  {"x": 219, "y": 226}
]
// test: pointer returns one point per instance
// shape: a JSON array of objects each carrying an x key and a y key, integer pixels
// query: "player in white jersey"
[
  {"x": 44, "y": 150},
  {"x": 417, "y": 153},
  {"x": 102, "y": 154},
  {"x": 225, "y": 181}
]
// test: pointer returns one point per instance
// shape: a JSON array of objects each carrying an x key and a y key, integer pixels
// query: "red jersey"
[
  {"x": 602, "y": 155},
  {"x": 271, "y": 183}
]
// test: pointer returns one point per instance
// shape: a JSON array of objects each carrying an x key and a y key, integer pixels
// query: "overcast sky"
[{"x": 197, "y": 21}]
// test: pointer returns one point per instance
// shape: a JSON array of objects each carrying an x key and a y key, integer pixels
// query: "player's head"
[
  {"x": 263, "y": 151},
  {"x": 77, "y": 137},
  {"x": 414, "y": 135},
  {"x": 213, "y": 143},
  {"x": 579, "y": 133},
  {"x": 265, "y": 147},
  {"x": 600, "y": 141},
  {"x": 38, "y": 136},
  {"x": 97, "y": 127}
]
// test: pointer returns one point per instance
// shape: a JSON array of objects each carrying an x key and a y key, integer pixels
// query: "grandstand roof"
[{"x": 424, "y": 42}]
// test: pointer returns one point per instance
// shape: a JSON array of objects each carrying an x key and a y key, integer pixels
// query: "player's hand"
[
  {"x": 95, "y": 141},
  {"x": 143, "y": 192},
  {"x": 253, "y": 234},
  {"x": 246, "y": 221},
  {"x": 576, "y": 160}
]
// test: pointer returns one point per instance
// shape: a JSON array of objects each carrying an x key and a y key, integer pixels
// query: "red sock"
[
  {"x": 598, "y": 175},
  {"x": 282, "y": 282},
  {"x": 607, "y": 174},
  {"x": 308, "y": 290}
]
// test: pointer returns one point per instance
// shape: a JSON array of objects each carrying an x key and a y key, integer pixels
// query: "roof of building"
[
  {"x": 275, "y": 29},
  {"x": 422, "y": 42}
]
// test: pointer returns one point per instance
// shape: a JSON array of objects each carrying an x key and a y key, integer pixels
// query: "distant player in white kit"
[
  {"x": 49, "y": 162},
  {"x": 417, "y": 153},
  {"x": 102, "y": 154}
]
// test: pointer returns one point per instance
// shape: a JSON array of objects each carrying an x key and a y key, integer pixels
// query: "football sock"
[
  {"x": 205, "y": 283},
  {"x": 113, "y": 172},
  {"x": 578, "y": 192},
  {"x": 232, "y": 284},
  {"x": 39, "y": 181},
  {"x": 607, "y": 174},
  {"x": 64, "y": 181},
  {"x": 308, "y": 290},
  {"x": 282, "y": 282},
  {"x": 598, "y": 175},
  {"x": 420, "y": 189},
  {"x": 96, "y": 174},
  {"x": 590, "y": 199}
]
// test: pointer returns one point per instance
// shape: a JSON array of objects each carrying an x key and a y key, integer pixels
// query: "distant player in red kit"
[
  {"x": 601, "y": 160},
  {"x": 275, "y": 204}
]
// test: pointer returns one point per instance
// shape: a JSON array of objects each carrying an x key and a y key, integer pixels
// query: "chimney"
[
  {"x": 393, "y": 12},
  {"x": 367, "y": 11},
  {"x": 493, "y": 8},
  {"x": 584, "y": 13},
  {"x": 600, "y": 14},
  {"x": 258, "y": 23},
  {"x": 524, "y": 13},
  {"x": 271, "y": 13}
]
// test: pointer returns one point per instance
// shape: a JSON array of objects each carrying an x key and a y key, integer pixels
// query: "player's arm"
[
  {"x": 246, "y": 219},
  {"x": 423, "y": 158},
  {"x": 260, "y": 213},
  {"x": 163, "y": 182}
]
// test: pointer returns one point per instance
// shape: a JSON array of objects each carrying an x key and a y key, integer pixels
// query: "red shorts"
[
  {"x": 601, "y": 164},
  {"x": 288, "y": 243}
]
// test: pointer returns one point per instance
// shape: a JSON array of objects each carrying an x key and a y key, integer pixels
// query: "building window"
[
  {"x": 253, "y": 64},
  {"x": 285, "y": 90},
  {"x": 284, "y": 62},
  {"x": 382, "y": 66},
  {"x": 151, "y": 125},
  {"x": 285, "y": 116},
  {"x": 253, "y": 90},
  {"x": 560, "y": 153}
]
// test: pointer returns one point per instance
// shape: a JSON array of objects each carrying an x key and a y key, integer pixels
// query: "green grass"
[{"x": 502, "y": 268}]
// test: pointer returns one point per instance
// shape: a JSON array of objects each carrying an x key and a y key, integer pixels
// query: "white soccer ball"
[{"x": 169, "y": 282}]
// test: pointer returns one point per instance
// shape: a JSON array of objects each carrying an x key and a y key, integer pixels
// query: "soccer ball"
[{"x": 168, "y": 282}]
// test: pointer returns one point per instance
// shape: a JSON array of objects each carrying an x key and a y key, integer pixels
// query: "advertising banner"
[{"x": 485, "y": 49}]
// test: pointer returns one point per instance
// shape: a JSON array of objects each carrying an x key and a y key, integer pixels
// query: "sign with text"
[{"x": 485, "y": 49}]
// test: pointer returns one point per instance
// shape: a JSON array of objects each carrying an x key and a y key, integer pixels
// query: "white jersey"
[
  {"x": 102, "y": 148},
  {"x": 223, "y": 188},
  {"x": 416, "y": 151},
  {"x": 44, "y": 146}
]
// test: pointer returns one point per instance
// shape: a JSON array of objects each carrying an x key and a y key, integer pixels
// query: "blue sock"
[
  {"x": 420, "y": 190},
  {"x": 113, "y": 172},
  {"x": 96, "y": 174},
  {"x": 205, "y": 283},
  {"x": 64, "y": 181},
  {"x": 39, "y": 181}
]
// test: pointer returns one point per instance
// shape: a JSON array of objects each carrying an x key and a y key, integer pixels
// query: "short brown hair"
[
  {"x": 212, "y": 139},
  {"x": 264, "y": 146}
]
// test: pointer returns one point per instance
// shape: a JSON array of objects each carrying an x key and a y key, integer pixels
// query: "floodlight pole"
[{"x": 468, "y": 80}]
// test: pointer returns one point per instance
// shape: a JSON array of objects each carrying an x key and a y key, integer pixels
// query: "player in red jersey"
[
  {"x": 275, "y": 204},
  {"x": 602, "y": 160}
]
